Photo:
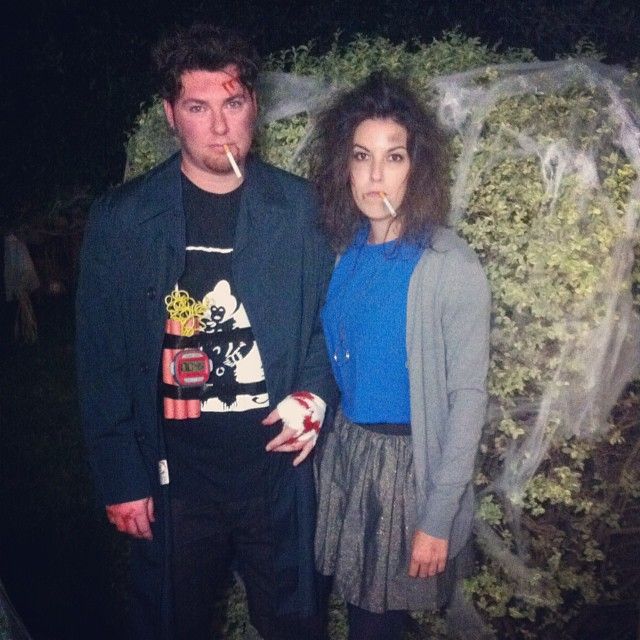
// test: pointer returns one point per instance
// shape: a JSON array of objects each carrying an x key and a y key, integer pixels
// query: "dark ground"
[
  {"x": 55, "y": 545},
  {"x": 60, "y": 563}
]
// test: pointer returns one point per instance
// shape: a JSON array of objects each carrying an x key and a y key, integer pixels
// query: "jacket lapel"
[
  {"x": 262, "y": 217},
  {"x": 161, "y": 214},
  {"x": 260, "y": 271},
  {"x": 261, "y": 209}
]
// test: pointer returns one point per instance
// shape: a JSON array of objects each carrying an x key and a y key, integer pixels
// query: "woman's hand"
[{"x": 428, "y": 555}]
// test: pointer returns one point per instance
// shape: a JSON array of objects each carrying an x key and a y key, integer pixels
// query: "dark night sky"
[{"x": 76, "y": 71}]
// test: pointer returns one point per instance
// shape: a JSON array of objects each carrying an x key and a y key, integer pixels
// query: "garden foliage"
[{"x": 546, "y": 189}]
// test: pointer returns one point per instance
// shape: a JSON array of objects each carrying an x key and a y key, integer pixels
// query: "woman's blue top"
[{"x": 364, "y": 321}]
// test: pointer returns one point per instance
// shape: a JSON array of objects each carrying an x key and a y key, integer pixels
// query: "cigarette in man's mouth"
[
  {"x": 232, "y": 161},
  {"x": 387, "y": 204}
]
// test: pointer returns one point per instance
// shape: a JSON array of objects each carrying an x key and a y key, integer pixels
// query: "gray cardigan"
[{"x": 448, "y": 311}]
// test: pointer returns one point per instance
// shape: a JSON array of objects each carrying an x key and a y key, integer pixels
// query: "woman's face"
[{"x": 379, "y": 164}]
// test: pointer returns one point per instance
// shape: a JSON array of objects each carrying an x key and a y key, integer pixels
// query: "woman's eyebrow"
[{"x": 400, "y": 146}]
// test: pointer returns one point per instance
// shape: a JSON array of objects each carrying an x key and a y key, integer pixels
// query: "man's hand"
[
  {"x": 133, "y": 517},
  {"x": 287, "y": 441},
  {"x": 302, "y": 414},
  {"x": 428, "y": 555}
]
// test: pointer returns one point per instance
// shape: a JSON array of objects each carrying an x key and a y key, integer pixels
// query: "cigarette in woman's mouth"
[{"x": 387, "y": 204}]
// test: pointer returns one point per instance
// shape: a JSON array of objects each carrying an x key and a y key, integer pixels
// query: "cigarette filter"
[
  {"x": 232, "y": 161},
  {"x": 387, "y": 204}
]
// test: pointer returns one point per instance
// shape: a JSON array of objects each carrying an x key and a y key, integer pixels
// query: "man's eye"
[
  {"x": 235, "y": 104},
  {"x": 195, "y": 108}
]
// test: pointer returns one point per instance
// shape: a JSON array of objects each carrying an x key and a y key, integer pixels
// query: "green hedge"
[{"x": 545, "y": 188}]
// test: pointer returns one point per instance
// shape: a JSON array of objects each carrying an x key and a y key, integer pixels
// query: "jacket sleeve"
[
  {"x": 106, "y": 404},
  {"x": 316, "y": 375},
  {"x": 465, "y": 316}
]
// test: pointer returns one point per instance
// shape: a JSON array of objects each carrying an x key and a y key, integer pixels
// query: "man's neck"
[{"x": 212, "y": 182}]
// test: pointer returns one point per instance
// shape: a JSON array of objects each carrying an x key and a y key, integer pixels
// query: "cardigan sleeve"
[{"x": 464, "y": 303}]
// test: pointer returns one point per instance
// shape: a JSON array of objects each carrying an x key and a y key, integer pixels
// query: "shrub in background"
[{"x": 546, "y": 189}]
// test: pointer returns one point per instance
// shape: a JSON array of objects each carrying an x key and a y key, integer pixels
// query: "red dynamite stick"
[
  {"x": 180, "y": 409},
  {"x": 167, "y": 404},
  {"x": 179, "y": 406},
  {"x": 193, "y": 406},
  {"x": 167, "y": 378}
]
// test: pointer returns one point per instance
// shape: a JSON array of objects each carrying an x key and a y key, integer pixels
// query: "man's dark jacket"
[{"x": 133, "y": 255}]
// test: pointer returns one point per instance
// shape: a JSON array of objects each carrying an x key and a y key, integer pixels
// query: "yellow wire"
[{"x": 187, "y": 311}]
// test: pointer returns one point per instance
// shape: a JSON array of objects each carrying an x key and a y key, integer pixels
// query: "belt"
[{"x": 386, "y": 428}]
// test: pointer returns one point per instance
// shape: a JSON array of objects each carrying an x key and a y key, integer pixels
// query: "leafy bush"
[{"x": 546, "y": 190}]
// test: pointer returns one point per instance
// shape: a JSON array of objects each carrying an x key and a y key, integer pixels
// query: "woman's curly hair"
[{"x": 426, "y": 201}]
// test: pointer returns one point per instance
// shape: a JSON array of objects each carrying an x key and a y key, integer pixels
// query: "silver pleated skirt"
[{"x": 366, "y": 521}]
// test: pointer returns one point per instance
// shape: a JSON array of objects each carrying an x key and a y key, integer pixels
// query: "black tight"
[{"x": 365, "y": 625}]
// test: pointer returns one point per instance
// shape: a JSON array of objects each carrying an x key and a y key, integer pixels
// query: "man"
[{"x": 178, "y": 425}]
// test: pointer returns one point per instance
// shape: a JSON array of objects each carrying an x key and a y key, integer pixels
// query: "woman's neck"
[{"x": 383, "y": 231}]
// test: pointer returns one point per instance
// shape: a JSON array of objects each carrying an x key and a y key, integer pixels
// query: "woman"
[{"x": 406, "y": 323}]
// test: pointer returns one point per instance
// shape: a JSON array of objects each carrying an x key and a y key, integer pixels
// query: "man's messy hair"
[{"x": 202, "y": 47}]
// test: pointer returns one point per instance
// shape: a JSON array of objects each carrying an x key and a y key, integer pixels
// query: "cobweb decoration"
[
  {"x": 546, "y": 189},
  {"x": 11, "y": 627},
  {"x": 283, "y": 95},
  {"x": 559, "y": 253},
  {"x": 592, "y": 344}
]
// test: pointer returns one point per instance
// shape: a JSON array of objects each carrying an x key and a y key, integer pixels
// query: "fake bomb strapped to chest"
[
  {"x": 209, "y": 359},
  {"x": 185, "y": 368}
]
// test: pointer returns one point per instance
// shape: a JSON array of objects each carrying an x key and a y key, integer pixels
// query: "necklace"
[
  {"x": 341, "y": 354},
  {"x": 356, "y": 293}
]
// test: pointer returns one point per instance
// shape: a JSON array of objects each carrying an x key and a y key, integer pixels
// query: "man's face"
[{"x": 213, "y": 109}]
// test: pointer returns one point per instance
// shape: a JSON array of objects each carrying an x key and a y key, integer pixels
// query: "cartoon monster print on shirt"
[{"x": 237, "y": 378}]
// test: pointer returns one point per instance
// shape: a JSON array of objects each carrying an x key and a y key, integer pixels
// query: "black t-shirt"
[{"x": 220, "y": 455}]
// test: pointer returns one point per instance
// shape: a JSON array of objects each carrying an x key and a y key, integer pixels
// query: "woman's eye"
[
  {"x": 359, "y": 155},
  {"x": 396, "y": 157}
]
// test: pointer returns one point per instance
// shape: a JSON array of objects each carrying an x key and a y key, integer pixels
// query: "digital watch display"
[{"x": 191, "y": 368}]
